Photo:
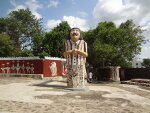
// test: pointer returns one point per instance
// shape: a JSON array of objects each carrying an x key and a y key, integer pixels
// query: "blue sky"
[{"x": 85, "y": 14}]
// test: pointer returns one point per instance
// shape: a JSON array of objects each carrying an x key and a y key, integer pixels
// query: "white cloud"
[
  {"x": 53, "y": 23},
  {"x": 37, "y": 15},
  {"x": 72, "y": 21},
  {"x": 53, "y": 3},
  {"x": 76, "y": 22},
  {"x": 145, "y": 49},
  {"x": 33, "y": 5},
  {"x": 13, "y": 2},
  {"x": 16, "y": 8},
  {"x": 116, "y": 11}
]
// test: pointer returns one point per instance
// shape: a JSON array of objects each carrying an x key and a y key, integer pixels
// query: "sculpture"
[
  {"x": 75, "y": 52},
  {"x": 53, "y": 68}
]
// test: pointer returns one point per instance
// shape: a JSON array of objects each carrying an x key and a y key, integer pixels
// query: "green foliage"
[
  {"x": 24, "y": 29},
  {"x": 26, "y": 53},
  {"x": 110, "y": 45},
  {"x": 54, "y": 40},
  {"x": 43, "y": 54},
  {"x": 10, "y": 27},
  {"x": 146, "y": 63},
  {"x": 7, "y": 47}
]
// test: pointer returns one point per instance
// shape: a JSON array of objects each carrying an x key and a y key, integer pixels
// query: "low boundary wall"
[
  {"x": 32, "y": 66},
  {"x": 132, "y": 73}
]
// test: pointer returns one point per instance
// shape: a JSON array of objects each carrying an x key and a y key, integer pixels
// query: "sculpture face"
[{"x": 75, "y": 34}]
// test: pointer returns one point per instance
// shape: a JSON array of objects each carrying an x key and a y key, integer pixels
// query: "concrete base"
[
  {"x": 36, "y": 76},
  {"x": 56, "y": 78},
  {"x": 141, "y": 82}
]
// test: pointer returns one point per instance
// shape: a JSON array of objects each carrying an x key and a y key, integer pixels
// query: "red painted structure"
[{"x": 49, "y": 66}]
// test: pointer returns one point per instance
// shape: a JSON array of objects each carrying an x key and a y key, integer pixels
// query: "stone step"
[
  {"x": 36, "y": 76},
  {"x": 135, "y": 83}
]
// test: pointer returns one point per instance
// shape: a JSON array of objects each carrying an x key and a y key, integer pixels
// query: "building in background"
[{"x": 137, "y": 63}]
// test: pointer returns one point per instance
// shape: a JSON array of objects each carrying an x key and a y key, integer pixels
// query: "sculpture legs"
[{"x": 76, "y": 76}]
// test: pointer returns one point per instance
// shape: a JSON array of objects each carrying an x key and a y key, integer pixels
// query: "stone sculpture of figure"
[
  {"x": 75, "y": 52},
  {"x": 7, "y": 68},
  {"x": 13, "y": 67},
  {"x": 23, "y": 67},
  {"x": 18, "y": 67},
  {"x": 53, "y": 68},
  {"x": 32, "y": 68},
  {"x": 28, "y": 68},
  {"x": 3, "y": 68}
]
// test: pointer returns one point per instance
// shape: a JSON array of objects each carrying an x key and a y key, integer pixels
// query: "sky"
[{"x": 85, "y": 14}]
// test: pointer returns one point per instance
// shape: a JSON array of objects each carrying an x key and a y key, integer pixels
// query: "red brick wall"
[{"x": 38, "y": 66}]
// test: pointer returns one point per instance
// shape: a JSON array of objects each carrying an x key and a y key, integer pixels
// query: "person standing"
[
  {"x": 90, "y": 77},
  {"x": 75, "y": 52}
]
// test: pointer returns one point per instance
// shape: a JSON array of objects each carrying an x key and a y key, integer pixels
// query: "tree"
[
  {"x": 24, "y": 29},
  {"x": 7, "y": 47},
  {"x": 114, "y": 46},
  {"x": 146, "y": 63},
  {"x": 29, "y": 27},
  {"x": 100, "y": 48},
  {"x": 53, "y": 43},
  {"x": 10, "y": 27}
]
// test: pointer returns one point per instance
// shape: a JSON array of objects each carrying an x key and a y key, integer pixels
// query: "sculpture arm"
[
  {"x": 66, "y": 53},
  {"x": 82, "y": 53}
]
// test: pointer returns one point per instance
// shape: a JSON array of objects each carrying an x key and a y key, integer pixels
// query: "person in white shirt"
[{"x": 90, "y": 76}]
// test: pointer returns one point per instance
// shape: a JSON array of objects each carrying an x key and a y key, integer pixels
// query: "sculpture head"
[{"x": 75, "y": 34}]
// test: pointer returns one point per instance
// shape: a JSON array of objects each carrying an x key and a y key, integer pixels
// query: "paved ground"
[{"x": 26, "y": 95}]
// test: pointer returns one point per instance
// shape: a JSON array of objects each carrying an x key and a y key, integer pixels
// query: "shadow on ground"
[{"x": 46, "y": 84}]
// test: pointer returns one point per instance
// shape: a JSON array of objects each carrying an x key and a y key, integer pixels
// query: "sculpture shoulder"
[{"x": 84, "y": 41}]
